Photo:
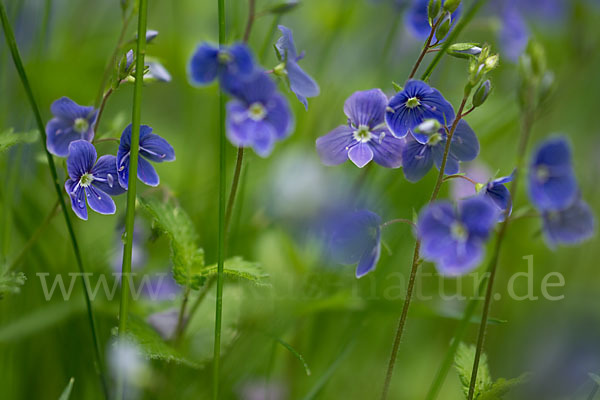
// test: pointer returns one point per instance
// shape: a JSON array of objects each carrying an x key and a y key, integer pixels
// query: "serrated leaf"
[
  {"x": 187, "y": 258},
  {"x": 238, "y": 268},
  {"x": 502, "y": 386},
  {"x": 463, "y": 362},
  {"x": 11, "y": 282},
  {"x": 9, "y": 138},
  {"x": 67, "y": 392},
  {"x": 152, "y": 345}
]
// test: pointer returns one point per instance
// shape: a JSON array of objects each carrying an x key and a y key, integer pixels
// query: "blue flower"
[
  {"x": 417, "y": 19},
  {"x": 365, "y": 137},
  {"x": 499, "y": 195},
  {"x": 514, "y": 34},
  {"x": 91, "y": 180},
  {"x": 230, "y": 65},
  {"x": 300, "y": 82},
  {"x": 569, "y": 226},
  {"x": 413, "y": 105},
  {"x": 454, "y": 238},
  {"x": 421, "y": 152},
  {"x": 552, "y": 184},
  {"x": 355, "y": 238},
  {"x": 259, "y": 116},
  {"x": 71, "y": 122},
  {"x": 152, "y": 148}
]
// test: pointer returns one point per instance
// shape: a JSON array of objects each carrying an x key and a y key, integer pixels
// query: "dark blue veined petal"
[
  {"x": 77, "y": 195},
  {"x": 360, "y": 154},
  {"x": 302, "y": 84},
  {"x": 369, "y": 259},
  {"x": 366, "y": 107},
  {"x": 204, "y": 65},
  {"x": 433, "y": 228},
  {"x": 464, "y": 145},
  {"x": 514, "y": 34},
  {"x": 572, "y": 225},
  {"x": 59, "y": 134},
  {"x": 504, "y": 179},
  {"x": 81, "y": 158},
  {"x": 461, "y": 258},
  {"x": 123, "y": 170},
  {"x": 500, "y": 197},
  {"x": 285, "y": 44},
  {"x": 436, "y": 106},
  {"x": 146, "y": 173},
  {"x": 105, "y": 175},
  {"x": 478, "y": 216},
  {"x": 387, "y": 151},
  {"x": 66, "y": 108},
  {"x": 452, "y": 165},
  {"x": 99, "y": 201},
  {"x": 125, "y": 141},
  {"x": 417, "y": 160},
  {"x": 333, "y": 147},
  {"x": 155, "y": 148},
  {"x": 279, "y": 116}
]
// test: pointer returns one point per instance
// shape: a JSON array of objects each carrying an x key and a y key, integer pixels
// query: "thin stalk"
[
  {"x": 12, "y": 45},
  {"x": 234, "y": 186},
  {"x": 477, "y": 4},
  {"x": 196, "y": 304},
  {"x": 181, "y": 316},
  {"x": 101, "y": 109},
  {"x": 415, "y": 259},
  {"x": 250, "y": 20},
  {"x": 221, "y": 236},
  {"x": 528, "y": 117},
  {"x": 458, "y": 176},
  {"x": 398, "y": 221},
  {"x": 34, "y": 237},
  {"x": 113, "y": 58},
  {"x": 426, "y": 47},
  {"x": 133, "y": 167}
]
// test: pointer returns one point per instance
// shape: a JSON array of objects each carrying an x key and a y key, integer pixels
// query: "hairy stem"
[
  {"x": 12, "y": 45},
  {"x": 415, "y": 258},
  {"x": 133, "y": 167},
  {"x": 221, "y": 238},
  {"x": 426, "y": 47},
  {"x": 101, "y": 109},
  {"x": 527, "y": 123}
]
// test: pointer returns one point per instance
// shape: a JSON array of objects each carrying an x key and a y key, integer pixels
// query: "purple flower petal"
[
  {"x": 204, "y": 65},
  {"x": 360, "y": 154},
  {"x": 155, "y": 148},
  {"x": 478, "y": 216},
  {"x": 452, "y": 166},
  {"x": 464, "y": 145},
  {"x": 81, "y": 159},
  {"x": 99, "y": 201},
  {"x": 570, "y": 226},
  {"x": 366, "y": 107},
  {"x": 285, "y": 44},
  {"x": 279, "y": 116},
  {"x": 77, "y": 195},
  {"x": 333, "y": 147},
  {"x": 302, "y": 84},
  {"x": 388, "y": 151},
  {"x": 514, "y": 34},
  {"x": 105, "y": 175},
  {"x": 417, "y": 160},
  {"x": 354, "y": 237},
  {"x": 461, "y": 258},
  {"x": 146, "y": 173},
  {"x": 59, "y": 134},
  {"x": 369, "y": 259},
  {"x": 67, "y": 109},
  {"x": 433, "y": 228}
]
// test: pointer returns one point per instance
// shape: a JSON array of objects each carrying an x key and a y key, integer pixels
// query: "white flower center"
[
  {"x": 81, "y": 125},
  {"x": 542, "y": 173},
  {"x": 362, "y": 134},
  {"x": 459, "y": 231},
  {"x": 86, "y": 179},
  {"x": 257, "y": 112},
  {"x": 413, "y": 102}
]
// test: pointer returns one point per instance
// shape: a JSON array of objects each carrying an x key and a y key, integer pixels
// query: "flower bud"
[
  {"x": 428, "y": 127},
  {"x": 538, "y": 57},
  {"x": 433, "y": 10},
  {"x": 443, "y": 27},
  {"x": 451, "y": 5},
  {"x": 481, "y": 94},
  {"x": 464, "y": 50},
  {"x": 491, "y": 62}
]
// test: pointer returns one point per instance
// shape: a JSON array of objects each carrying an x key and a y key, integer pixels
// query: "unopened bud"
[{"x": 481, "y": 94}]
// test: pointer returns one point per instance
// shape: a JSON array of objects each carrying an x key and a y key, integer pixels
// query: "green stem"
[
  {"x": 425, "y": 49},
  {"x": 221, "y": 236},
  {"x": 101, "y": 109},
  {"x": 528, "y": 117},
  {"x": 234, "y": 186},
  {"x": 452, "y": 36},
  {"x": 133, "y": 167},
  {"x": 12, "y": 44},
  {"x": 416, "y": 259}
]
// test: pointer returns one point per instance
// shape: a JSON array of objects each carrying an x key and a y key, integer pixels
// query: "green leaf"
[
  {"x": 503, "y": 386},
  {"x": 188, "y": 259},
  {"x": 397, "y": 87},
  {"x": 11, "y": 282},
  {"x": 67, "y": 392},
  {"x": 9, "y": 138},
  {"x": 284, "y": 7},
  {"x": 238, "y": 268},
  {"x": 463, "y": 362},
  {"x": 152, "y": 345}
]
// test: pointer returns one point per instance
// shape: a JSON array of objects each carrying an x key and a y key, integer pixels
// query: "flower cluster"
[
  {"x": 553, "y": 189},
  {"x": 92, "y": 180},
  {"x": 258, "y": 115}
]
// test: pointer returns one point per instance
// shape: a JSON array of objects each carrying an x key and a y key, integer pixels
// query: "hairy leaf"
[
  {"x": 238, "y": 268},
  {"x": 11, "y": 282},
  {"x": 187, "y": 258},
  {"x": 9, "y": 138},
  {"x": 463, "y": 361},
  {"x": 502, "y": 386}
]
